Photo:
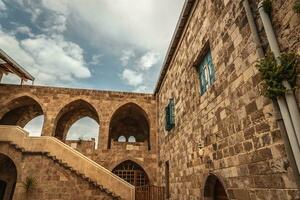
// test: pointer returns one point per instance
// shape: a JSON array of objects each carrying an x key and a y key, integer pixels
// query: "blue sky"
[{"x": 98, "y": 44}]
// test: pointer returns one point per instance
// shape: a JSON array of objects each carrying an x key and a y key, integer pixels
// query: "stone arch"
[
  {"x": 214, "y": 188},
  {"x": 129, "y": 119},
  {"x": 70, "y": 113},
  {"x": 132, "y": 172},
  {"x": 20, "y": 110},
  {"x": 8, "y": 177}
]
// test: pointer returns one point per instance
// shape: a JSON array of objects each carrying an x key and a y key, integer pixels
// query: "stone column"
[{"x": 104, "y": 135}]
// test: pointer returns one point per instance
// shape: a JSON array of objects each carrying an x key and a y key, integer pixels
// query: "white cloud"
[
  {"x": 96, "y": 59},
  {"x": 2, "y": 6},
  {"x": 52, "y": 60},
  {"x": 142, "y": 89},
  {"x": 148, "y": 60},
  {"x": 126, "y": 56},
  {"x": 24, "y": 30},
  {"x": 144, "y": 24},
  {"x": 52, "y": 14},
  {"x": 34, "y": 126},
  {"x": 133, "y": 78}
]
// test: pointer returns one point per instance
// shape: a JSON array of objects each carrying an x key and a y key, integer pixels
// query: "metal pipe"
[
  {"x": 293, "y": 109},
  {"x": 289, "y": 95},
  {"x": 253, "y": 28},
  {"x": 286, "y": 142},
  {"x": 269, "y": 30},
  {"x": 289, "y": 109},
  {"x": 290, "y": 130}
]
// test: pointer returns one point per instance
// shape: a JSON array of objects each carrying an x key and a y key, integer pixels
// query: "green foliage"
[
  {"x": 267, "y": 5},
  {"x": 297, "y": 6},
  {"x": 274, "y": 73},
  {"x": 29, "y": 184}
]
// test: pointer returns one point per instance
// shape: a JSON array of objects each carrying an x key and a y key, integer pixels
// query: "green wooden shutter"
[
  {"x": 211, "y": 68},
  {"x": 202, "y": 79},
  {"x": 172, "y": 113}
]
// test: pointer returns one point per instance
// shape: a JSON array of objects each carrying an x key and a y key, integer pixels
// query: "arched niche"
[
  {"x": 129, "y": 120},
  {"x": 71, "y": 113},
  {"x": 20, "y": 111},
  {"x": 214, "y": 189},
  {"x": 8, "y": 177},
  {"x": 132, "y": 172}
]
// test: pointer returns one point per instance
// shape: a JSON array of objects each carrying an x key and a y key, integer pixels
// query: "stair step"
[{"x": 65, "y": 165}]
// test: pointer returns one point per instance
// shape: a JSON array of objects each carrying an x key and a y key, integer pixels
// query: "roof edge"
[
  {"x": 18, "y": 67},
  {"x": 180, "y": 27}
]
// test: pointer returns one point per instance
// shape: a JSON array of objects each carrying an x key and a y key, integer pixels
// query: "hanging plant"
[
  {"x": 297, "y": 6},
  {"x": 267, "y": 6},
  {"x": 29, "y": 184},
  {"x": 274, "y": 73}
]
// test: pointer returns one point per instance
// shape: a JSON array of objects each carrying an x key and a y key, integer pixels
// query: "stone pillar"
[{"x": 104, "y": 135}]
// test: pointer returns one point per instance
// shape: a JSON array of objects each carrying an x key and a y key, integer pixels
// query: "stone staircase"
[{"x": 70, "y": 159}]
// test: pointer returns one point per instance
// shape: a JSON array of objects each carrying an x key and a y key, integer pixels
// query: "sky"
[
  {"x": 96, "y": 44},
  {"x": 114, "y": 45}
]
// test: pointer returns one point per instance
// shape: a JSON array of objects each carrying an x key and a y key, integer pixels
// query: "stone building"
[{"x": 205, "y": 133}]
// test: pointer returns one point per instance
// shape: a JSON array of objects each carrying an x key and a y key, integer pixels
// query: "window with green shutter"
[
  {"x": 170, "y": 115},
  {"x": 206, "y": 72}
]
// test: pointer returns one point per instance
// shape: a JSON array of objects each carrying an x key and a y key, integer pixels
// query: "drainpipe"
[
  {"x": 253, "y": 28},
  {"x": 288, "y": 106}
]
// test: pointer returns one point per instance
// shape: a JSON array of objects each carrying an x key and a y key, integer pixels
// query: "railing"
[{"x": 149, "y": 193}]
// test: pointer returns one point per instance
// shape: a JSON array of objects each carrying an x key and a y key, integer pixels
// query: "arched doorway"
[
  {"x": 131, "y": 122},
  {"x": 72, "y": 113},
  {"x": 214, "y": 189},
  {"x": 8, "y": 177},
  {"x": 20, "y": 111},
  {"x": 132, "y": 173}
]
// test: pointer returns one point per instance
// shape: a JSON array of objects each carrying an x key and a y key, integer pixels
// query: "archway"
[
  {"x": 129, "y": 120},
  {"x": 8, "y": 177},
  {"x": 84, "y": 129},
  {"x": 20, "y": 111},
  {"x": 35, "y": 126},
  {"x": 214, "y": 189},
  {"x": 71, "y": 113},
  {"x": 132, "y": 173}
]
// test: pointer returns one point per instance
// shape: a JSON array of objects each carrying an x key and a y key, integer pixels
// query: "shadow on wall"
[{"x": 8, "y": 177}]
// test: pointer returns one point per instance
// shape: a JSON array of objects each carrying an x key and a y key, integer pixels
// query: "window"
[
  {"x": 206, "y": 72},
  {"x": 122, "y": 139},
  {"x": 170, "y": 115},
  {"x": 131, "y": 139}
]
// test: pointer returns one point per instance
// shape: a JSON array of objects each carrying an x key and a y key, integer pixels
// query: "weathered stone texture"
[
  {"x": 53, "y": 100},
  {"x": 53, "y": 181},
  {"x": 232, "y": 121}
]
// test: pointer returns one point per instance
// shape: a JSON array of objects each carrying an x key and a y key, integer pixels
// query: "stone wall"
[
  {"x": 229, "y": 131},
  {"x": 52, "y": 181},
  {"x": 100, "y": 105}
]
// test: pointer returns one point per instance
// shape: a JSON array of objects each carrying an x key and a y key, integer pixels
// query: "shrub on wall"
[
  {"x": 29, "y": 184},
  {"x": 297, "y": 6},
  {"x": 267, "y": 5},
  {"x": 274, "y": 73}
]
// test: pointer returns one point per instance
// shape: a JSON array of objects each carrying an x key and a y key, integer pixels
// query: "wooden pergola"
[{"x": 8, "y": 65}]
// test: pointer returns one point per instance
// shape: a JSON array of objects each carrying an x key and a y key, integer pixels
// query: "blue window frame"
[
  {"x": 170, "y": 115},
  {"x": 206, "y": 73}
]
